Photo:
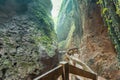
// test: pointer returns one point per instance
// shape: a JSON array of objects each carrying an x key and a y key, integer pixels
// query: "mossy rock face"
[
  {"x": 26, "y": 36},
  {"x": 110, "y": 11}
]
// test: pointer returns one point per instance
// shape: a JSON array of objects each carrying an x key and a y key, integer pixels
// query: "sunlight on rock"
[{"x": 56, "y": 7}]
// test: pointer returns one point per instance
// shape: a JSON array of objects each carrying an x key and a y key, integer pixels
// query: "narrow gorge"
[{"x": 35, "y": 34}]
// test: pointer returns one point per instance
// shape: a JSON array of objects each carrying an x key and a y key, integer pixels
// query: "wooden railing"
[
  {"x": 64, "y": 69},
  {"x": 52, "y": 74}
]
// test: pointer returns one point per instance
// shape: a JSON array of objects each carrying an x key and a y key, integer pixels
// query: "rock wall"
[
  {"x": 96, "y": 47},
  {"x": 110, "y": 11},
  {"x": 27, "y": 39},
  {"x": 68, "y": 23}
]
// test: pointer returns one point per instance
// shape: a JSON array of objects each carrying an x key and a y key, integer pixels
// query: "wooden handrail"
[
  {"x": 64, "y": 70},
  {"x": 52, "y": 74},
  {"x": 80, "y": 72}
]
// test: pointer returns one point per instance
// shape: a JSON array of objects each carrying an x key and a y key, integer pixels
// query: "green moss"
[
  {"x": 118, "y": 10},
  {"x": 104, "y": 10},
  {"x": 111, "y": 14},
  {"x": 100, "y": 2},
  {"x": 108, "y": 20}
]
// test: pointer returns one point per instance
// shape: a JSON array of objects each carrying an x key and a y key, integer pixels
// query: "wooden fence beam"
[
  {"x": 52, "y": 74},
  {"x": 64, "y": 69},
  {"x": 77, "y": 71}
]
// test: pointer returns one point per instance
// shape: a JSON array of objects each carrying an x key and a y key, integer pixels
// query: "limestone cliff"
[
  {"x": 27, "y": 39},
  {"x": 96, "y": 45},
  {"x": 69, "y": 23}
]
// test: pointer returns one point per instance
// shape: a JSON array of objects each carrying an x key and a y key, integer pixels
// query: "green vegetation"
[
  {"x": 118, "y": 8},
  {"x": 43, "y": 16},
  {"x": 104, "y": 10},
  {"x": 100, "y": 2},
  {"x": 111, "y": 15},
  {"x": 46, "y": 28}
]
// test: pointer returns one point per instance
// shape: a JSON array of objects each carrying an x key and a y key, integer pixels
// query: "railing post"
[
  {"x": 65, "y": 74},
  {"x": 96, "y": 78}
]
